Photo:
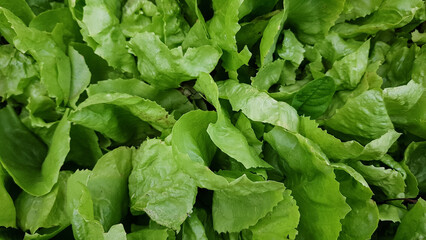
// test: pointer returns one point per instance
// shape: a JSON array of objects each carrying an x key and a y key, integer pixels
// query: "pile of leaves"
[{"x": 212, "y": 119}]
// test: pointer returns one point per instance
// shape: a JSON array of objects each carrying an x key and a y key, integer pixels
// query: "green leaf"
[
  {"x": 364, "y": 115},
  {"x": 281, "y": 222},
  {"x": 414, "y": 158},
  {"x": 80, "y": 75},
  {"x": 389, "y": 212},
  {"x": 20, "y": 8},
  {"x": 32, "y": 165},
  {"x": 8, "y": 216},
  {"x": 349, "y": 70},
  {"x": 390, "y": 15},
  {"x": 413, "y": 223},
  {"x": 226, "y": 136},
  {"x": 362, "y": 220},
  {"x": 308, "y": 173},
  {"x": 391, "y": 182},
  {"x": 291, "y": 50},
  {"x": 16, "y": 70},
  {"x": 190, "y": 136},
  {"x": 314, "y": 97},
  {"x": 401, "y": 99},
  {"x": 334, "y": 148},
  {"x": 45, "y": 214},
  {"x": 158, "y": 187},
  {"x": 258, "y": 106},
  {"x": 138, "y": 112},
  {"x": 243, "y": 203},
  {"x": 55, "y": 68},
  {"x": 99, "y": 23},
  {"x": 312, "y": 19},
  {"x": 356, "y": 9},
  {"x": 148, "y": 234},
  {"x": 84, "y": 146},
  {"x": 98, "y": 199},
  {"x": 167, "y": 68},
  {"x": 268, "y": 75},
  {"x": 223, "y": 28},
  {"x": 193, "y": 228},
  {"x": 270, "y": 36}
]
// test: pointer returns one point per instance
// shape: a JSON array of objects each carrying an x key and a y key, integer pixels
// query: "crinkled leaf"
[
  {"x": 390, "y": 15},
  {"x": 158, "y": 187},
  {"x": 364, "y": 115},
  {"x": 167, "y": 68},
  {"x": 99, "y": 23}
]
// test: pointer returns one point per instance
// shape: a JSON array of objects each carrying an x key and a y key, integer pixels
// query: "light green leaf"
[
  {"x": 308, "y": 174},
  {"x": 80, "y": 75},
  {"x": 259, "y": 106},
  {"x": 190, "y": 136},
  {"x": 291, "y": 50},
  {"x": 55, "y": 68},
  {"x": 349, "y": 70},
  {"x": 362, "y": 220},
  {"x": 280, "y": 223},
  {"x": 16, "y": 71},
  {"x": 355, "y": 9},
  {"x": 99, "y": 23},
  {"x": 223, "y": 28},
  {"x": 334, "y": 148},
  {"x": 270, "y": 36},
  {"x": 225, "y": 135},
  {"x": 388, "y": 212},
  {"x": 20, "y": 8},
  {"x": 364, "y": 115},
  {"x": 45, "y": 214},
  {"x": 98, "y": 199},
  {"x": 158, "y": 187},
  {"x": 312, "y": 19},
  {"x": 401, "y": 99},
  {"x": 391, "y": 182},
  {"x": 268, "y": 75},
  {"x": 243, "y": 203},
  {"x": 390, "y": 15},
  {"x": 167, "y": 68}
]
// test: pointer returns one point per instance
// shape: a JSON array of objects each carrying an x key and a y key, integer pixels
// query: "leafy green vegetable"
[
  {"x": 158, "y": 188},
  {"x": 218, "y": 119},
  {"x": 314, "y": 97},
  {"x": 308, "y": 171},
  {"x": 34, "y": 166},
  {"x": 412, "y": 224}
]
